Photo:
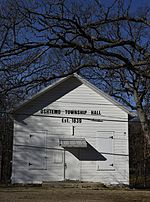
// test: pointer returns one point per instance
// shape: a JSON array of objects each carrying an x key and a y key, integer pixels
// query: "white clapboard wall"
[{"x": 38, "y": 155}]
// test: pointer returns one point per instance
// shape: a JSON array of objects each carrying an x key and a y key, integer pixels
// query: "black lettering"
[
  {"x": 50, "y": 111},
  {"x": 65, "y": 120},
  {"x": 75, "y": 112},
  {"x": 93, "y": 112}
]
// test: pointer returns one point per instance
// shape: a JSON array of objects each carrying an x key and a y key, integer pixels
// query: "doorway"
[{"x": 71, "y": 166}]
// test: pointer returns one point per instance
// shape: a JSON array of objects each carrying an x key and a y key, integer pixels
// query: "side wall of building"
[{"x": 81, "y": 113}]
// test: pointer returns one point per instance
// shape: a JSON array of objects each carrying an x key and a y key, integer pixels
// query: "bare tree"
[
  {"x": 39, "y": 38},
  {"x": 133, "y": 91},
  {"x": 38, "y": 28}
]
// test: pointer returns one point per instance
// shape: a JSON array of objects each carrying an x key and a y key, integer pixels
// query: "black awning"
[{"x": 81, "y": 149}]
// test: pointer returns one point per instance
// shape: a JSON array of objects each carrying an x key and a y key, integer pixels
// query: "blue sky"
[{"x": 135, "y": 3}]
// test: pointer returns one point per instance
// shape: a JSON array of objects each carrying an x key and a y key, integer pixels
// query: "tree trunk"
[
  {"x": 143, "y": 119},
  {"x": 146, "y": 135}
]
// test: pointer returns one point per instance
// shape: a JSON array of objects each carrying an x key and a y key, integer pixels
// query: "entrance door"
[
  {"x": 37, "y": 151},
  {"x": 72, "y": 167}
]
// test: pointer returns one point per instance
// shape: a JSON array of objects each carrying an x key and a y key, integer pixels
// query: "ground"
[{"x": 71, "y": 194}]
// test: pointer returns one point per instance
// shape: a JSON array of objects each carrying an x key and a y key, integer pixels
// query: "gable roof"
[{"x": 82, "y": 80}]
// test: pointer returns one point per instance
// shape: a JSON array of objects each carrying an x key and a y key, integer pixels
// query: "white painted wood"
[
  {"x": 72, "y": 167},
  {"x": 104, "y": 144},
  {"x": 47, "y": 131},
  {"x": 37, "y": 151},
  {"x": 55, "y": 165}
]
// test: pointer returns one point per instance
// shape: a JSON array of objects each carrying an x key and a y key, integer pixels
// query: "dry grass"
[{"x": 49, "y": 194}]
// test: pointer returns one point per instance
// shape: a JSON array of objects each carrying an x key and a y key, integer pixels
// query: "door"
[
  {"x": 71, "y": 167},
  {"x": 37, "y": 151},
  {"x": 104, "y": 144}
]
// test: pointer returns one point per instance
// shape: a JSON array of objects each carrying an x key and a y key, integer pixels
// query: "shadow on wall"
[
  {"x": 28, "y": 165},
  {"x": 88, "y": 153},
  {"x": 45, "y": 99}
]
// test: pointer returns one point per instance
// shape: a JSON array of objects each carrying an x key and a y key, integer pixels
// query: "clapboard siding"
[{"x": 79, "y": 97}]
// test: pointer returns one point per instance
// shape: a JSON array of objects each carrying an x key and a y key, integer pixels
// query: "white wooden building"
[{"x": 71, "y": 131}]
